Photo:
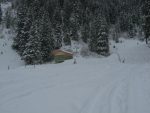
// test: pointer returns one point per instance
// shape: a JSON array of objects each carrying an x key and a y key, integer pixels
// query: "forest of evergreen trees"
[{"x": 43, "y": 25}]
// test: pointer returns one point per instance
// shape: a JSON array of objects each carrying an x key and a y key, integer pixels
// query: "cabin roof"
[{"x": 61, "y": 52}]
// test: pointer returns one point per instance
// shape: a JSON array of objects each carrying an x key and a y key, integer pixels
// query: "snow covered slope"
[
  {"x": 8, "y": 57},
  {"x": 133, "y": 51},
  {"x": 119, "y": 83},
  {"x": 93, "y": 85}
]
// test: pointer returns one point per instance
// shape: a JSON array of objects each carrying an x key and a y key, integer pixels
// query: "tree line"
[{"x": 45, "y": 25}]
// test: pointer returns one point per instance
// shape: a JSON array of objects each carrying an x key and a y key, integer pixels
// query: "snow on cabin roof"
[
  {"x": 60, "y": 50},
  {"x": 66, "y": 51}
]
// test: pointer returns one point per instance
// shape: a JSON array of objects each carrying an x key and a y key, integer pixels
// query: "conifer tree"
[
  {"x": 22, "y": 29},
  {"x": 146, "y": 13},
  {"x": 67, "y": 39},
  {"x": 47, "y": 41},
  {"x": 0, "y": 14},
  {"x": 99, "y": 42},
  {"x": 131, "y": 27},
  {"x": 85, "y": 34},
  {"x": 102, "y": 38},
  {"x": 57, "y": 28},
  {"x": 75, "y": 19},
  {"x": 8, "y": 19},
  {"x": 32, "y": 52},
  {"x": 124, "y": 21}
]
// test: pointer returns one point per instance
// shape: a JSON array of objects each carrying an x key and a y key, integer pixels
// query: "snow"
[
  {"x": 5, "y": 6},
  {"x": 8, "y": 57},
  {"x": 93, "y": 85},
  {"x": 119, "y": 83},
  {"x": 133, "y": 51}
]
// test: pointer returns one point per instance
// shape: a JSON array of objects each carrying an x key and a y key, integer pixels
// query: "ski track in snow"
[
  {"x": 112, "y": 92},
  {"x": 93, "y": 85},
  {"x": 113, "y": 96}
]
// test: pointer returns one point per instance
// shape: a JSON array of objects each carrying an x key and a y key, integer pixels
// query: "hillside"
[
  {"x": 92, "y": 85},
  {"x": 8, "y": 57},
  {"x": 119, "y": 83}
]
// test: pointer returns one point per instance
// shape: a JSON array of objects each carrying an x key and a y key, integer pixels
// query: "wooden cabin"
[{"x": 61, "y": 55}]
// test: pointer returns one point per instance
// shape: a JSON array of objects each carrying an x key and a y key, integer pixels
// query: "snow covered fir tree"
[
  {"x": 0, "y": 14},
  {"x": 146, "y": 16},
  {"x": 99, "y": 42},
  {"x": 74, "y": 56},
  {"x": 51, "y": 24}
]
